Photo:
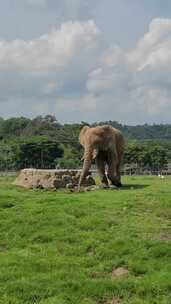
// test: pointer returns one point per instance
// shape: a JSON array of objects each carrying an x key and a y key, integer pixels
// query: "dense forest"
[{"x": 43, "y": 142}]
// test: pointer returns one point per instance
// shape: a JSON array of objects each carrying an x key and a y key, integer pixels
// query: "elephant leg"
[
  {"x": 120, "y": 153},
  {"x": 118, "y": 174},
  {"x": 113, "y": 172},
  {"x": 101, "y": 169},
  {"x": 118, "y": 167},
  {"x": 88, "y": 155}
]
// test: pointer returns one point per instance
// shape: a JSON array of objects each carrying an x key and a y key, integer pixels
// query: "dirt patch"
[
  {"x": 115, "y": 301},
  {"x": 165, "y": 236},
  {"x": 3, "y": 248},
  {"x": 119, "y": 272},
  {"x": 81, "y": 190},
  {"x": 7, "y": 205}
]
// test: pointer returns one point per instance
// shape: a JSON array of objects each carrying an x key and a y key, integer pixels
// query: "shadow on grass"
[{"x": 134, "y": 186}]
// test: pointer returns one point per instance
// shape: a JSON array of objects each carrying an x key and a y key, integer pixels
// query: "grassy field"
[{"x": 61, "y": 248}]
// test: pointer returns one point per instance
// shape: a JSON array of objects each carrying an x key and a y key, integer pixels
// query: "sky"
[{"x": 86, "y": 60}]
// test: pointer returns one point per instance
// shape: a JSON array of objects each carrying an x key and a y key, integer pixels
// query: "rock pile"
[{"x": 51, "y": 179}]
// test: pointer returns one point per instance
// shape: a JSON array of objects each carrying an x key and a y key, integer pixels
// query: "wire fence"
[
  {"x": 8, "y": 173},
  {"x": 95, "y": 172}
]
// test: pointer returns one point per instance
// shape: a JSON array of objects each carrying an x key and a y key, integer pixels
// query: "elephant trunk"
[{"x": 88, "y": 156}]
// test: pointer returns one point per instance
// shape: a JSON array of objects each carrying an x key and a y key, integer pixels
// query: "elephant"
[{"x": 105, "y": 144}]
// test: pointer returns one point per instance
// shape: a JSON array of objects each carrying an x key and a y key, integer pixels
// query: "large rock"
[
  {"x": 66, "y": 178},
  {"x": 51, "y": 179},
  {"x": 89, "y": 181}
]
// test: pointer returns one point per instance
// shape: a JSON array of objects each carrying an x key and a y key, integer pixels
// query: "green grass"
[{"x": 60, "y": 248}]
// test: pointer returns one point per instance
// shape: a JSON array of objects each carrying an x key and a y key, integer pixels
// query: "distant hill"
[
  {"x": 143, "y": 132},
  {"x": 48, "y": 125}
]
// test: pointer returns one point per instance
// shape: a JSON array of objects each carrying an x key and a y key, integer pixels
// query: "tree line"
[{"x": 43, "y": 142}]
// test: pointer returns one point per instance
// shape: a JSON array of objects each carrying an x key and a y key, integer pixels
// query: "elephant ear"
[{"x": 94, "y": 153}]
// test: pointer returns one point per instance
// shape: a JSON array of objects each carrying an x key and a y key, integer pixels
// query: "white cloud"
[
  {"x": 153, "y": 48},
  {"x": 135, "y": 85},
  {"x": 69, "y": 73},
  {"x": 51, "y": 51}
]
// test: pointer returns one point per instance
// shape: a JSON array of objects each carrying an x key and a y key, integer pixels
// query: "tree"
[
  {"x": 7, "y": 156},
  {"x": 13, "y": 126},
  {"x": 38, "y": 153},
  {"x": 158, "y": 157},
  {"x": 71, "y": 158},
  {"x": 150, "y": 156}
]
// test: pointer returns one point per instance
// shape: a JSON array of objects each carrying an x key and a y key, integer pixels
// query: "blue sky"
[{"x": 86, "y": 59}]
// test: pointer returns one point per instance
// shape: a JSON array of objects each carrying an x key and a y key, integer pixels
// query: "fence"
[
  {"x": 8, "y": 173},
  {"x": 94, "y": 172}
]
